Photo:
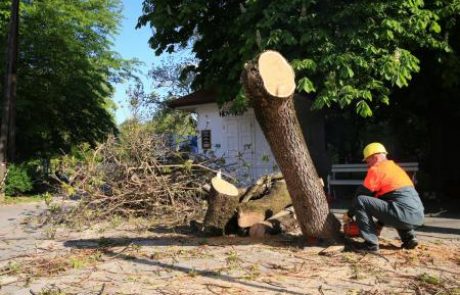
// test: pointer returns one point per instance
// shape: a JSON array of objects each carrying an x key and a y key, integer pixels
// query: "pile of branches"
[{"x": 139, "y": 176}]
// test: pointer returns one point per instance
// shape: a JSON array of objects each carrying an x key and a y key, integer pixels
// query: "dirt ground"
[{"x": 139, "y": 256}]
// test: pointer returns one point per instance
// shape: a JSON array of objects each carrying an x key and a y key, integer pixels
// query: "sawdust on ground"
[{"x": 153, "y": 259}]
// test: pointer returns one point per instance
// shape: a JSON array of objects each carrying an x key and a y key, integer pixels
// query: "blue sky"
[{"x": 132, "y": 43}]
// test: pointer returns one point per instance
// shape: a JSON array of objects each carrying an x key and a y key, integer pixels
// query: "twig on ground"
[{"x": 320, "y": 289}]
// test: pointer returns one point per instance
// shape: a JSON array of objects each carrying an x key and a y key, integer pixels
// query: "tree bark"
[
  {"x": 222, "y": 203},
  {"x": 7, "y": 129},
  {"x": 269, "y": 83},
  {"x": 260, "y": 186}
]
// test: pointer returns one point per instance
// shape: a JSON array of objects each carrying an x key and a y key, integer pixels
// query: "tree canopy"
[
  {"x": 346, "y": 52},
  {"x": 65, "y": 70}
]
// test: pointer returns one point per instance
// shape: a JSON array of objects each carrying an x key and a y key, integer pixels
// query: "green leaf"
[
  {"x": 366, "y": 94},
  {"x": 389, "y": 35},
  {"x": 304, "y": 64},
  {"x": 363, "y": 109},
  {"x": 385, "y": 99},
  {"x": 306, "y": 85},
  {"x": 435, "y": 27},
  {"x": 350, "y": 72},
  {"x": 356, "y": 45}
]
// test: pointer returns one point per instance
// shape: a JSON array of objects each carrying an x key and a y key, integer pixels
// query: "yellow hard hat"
[{"x": 373, "y": 148}]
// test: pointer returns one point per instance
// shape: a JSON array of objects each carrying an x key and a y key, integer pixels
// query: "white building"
[{"x": 238, "y": 139}]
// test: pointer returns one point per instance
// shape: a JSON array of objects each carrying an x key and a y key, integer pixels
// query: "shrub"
[{"x": 18, "y": 180}]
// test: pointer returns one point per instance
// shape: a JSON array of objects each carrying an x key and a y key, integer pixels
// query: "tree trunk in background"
[
  {"x": 269, "y": 83},
  {"x": 7, "y": 131}
]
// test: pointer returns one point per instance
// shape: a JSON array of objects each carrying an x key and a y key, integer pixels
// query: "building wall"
[{"x": 237, "y": 140}]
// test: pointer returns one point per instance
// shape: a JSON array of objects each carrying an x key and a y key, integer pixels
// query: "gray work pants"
[{"x": 401, "y": 209}]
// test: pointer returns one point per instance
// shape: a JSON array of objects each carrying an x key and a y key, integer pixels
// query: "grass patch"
[
  {"x": 252, "y": 273},
  {"x": 232, "y": 260},
  {"x": 21, "y": 199},
  {"x": 429, "y": 279},
  {"x": 52, "y": 290},
  {"x": 12, "y": 268}
]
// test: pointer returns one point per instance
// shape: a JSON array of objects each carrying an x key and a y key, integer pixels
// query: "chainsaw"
[{"x": 351, "y": 229}]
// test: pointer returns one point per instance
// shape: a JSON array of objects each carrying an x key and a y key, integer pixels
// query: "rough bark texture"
[
  {"x": 221, "y": 209},
  {"x": 261, "y": 185},
  {"x": 279, "y": 123},
  {"x": 258, "y": 210}
]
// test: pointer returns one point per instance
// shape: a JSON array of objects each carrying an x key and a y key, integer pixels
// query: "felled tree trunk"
[
  {"x": 283, "y": 221},
  {"x": 222, "y": 203},
  {"x": 258, "y": 210},
  {"x": 269, "y": 82},
  {"x": 260, "y": 186}
]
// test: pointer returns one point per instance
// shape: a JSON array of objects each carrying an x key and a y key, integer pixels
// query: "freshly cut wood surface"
[
  {"x": 247, "y": 219},
  {"x": 276, "y": 73},
  {"x": 224, "y": 187}
]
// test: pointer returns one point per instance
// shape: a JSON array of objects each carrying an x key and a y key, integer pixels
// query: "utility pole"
[{"x": 7, "y": 129}]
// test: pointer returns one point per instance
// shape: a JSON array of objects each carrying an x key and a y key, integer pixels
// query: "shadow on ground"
[
  {"x": 204, "y": 273},
  {"x": 439, "y": 229},
  {"x": 105, "y": 244},
  {"x": 180, "y": 238}
]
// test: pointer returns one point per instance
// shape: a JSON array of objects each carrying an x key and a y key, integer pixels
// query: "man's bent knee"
[{"x": 359, "y": 201}]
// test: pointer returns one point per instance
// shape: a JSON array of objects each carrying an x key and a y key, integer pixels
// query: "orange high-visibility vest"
[{"x": 386, "y": 176}]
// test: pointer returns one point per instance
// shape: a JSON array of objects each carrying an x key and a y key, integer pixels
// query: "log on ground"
[
  {"x": 282, "y": 222},
  {"x": 258, "y": 210}
]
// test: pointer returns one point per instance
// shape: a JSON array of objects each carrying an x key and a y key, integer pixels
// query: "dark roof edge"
[{"x": 194, "y": 98}]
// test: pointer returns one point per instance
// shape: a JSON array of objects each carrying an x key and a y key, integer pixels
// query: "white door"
[
  {"x": 231, "y": 138},
  {"x": 246, "y": 145},
  {"x": 239, "y": 135}
]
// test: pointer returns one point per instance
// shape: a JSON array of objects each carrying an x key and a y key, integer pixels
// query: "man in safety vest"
[{"x": 388, "y": 194}]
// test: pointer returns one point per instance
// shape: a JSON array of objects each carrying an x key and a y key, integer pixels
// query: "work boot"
[
  {"x": 408, "y": 238},
  {"x": 365, "y": 247},
  {"x": 410, "y": 244}
]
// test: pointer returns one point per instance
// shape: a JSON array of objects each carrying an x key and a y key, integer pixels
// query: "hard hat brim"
[{"x": 364, "y": 160}]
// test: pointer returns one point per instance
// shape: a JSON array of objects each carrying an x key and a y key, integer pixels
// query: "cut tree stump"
[
  {"x": 256, "y": 211},
  {"x": 223, "y": 200},
  {"x": 269, "y": 82},
  {"x": 225, "y": 215}
]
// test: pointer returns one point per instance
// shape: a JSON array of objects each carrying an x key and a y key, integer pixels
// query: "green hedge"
[{"x": 18, "y": 180}]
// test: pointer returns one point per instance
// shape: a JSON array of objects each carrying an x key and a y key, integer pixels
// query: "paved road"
[{"x": 15, "y": 238}]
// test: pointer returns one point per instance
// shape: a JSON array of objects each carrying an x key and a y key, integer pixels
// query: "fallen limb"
[{"x": 256, "y": 211}]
